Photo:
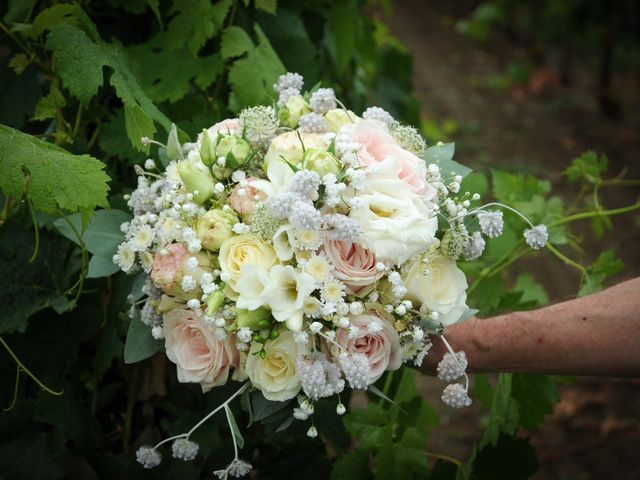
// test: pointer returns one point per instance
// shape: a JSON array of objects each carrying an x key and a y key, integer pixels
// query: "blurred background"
[{"x": 526, "y": 86}]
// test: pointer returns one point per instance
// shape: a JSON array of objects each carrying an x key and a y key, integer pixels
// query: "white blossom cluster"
[{"x": 302, "y": 238}]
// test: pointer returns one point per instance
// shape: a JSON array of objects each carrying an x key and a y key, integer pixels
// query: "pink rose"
[
  {"x": 355, "y": 265},
  {"x": 229, "y": 126},
  {"x": 381, "y": 348},
  {"x": 244, "y": 205},
  {"x": 168, "y": 270},
  {"x": 197, "y": 352},
  {"x": 377, "y": 144}
]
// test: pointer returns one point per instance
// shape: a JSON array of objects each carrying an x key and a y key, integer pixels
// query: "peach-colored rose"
[
  {"x": 382, "y": 348},
  {"x": 168, "y": 270},
  {"x": 197, "y": 352},
  {"x": 354, "y": 264},
  {"x": 229, "y": 126},
  {"x": 377, "y": 144},
  {"x": 244, "y": 205}
]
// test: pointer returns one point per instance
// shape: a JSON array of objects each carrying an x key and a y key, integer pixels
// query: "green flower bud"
[
  {"x": 214, "y": 302},
  {"x": 196, "y": 180},
  {"x": 321, "y": 161},
  {"x": 252, "y": 319},
  {"x": 173, "y": 143},
  {"x": 235, "y": 149},
  {"x": 295, "y": 107},
  {"x": 207, "y": 147},
  {"x": 339, "y": 117},
  {"x": 214, "y": 227}
]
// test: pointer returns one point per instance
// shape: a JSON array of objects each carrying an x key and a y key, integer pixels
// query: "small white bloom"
[
  {"x": 148, "y": 457},
  {"x": 188, "y": 283},
  {"x": 536, "y": 237},
  {"x": 341, "y": 409},
  {"x": 315, "y": 327},
  {"x": 244, "y": 335},
  {"x": 312, "y": 432},
  {"x": 491, "y": 223},
  {"x": 456, "y": 396},
  {"x": 356, "y": 308},
  {"x": 184, "y": 449},
  {"x": 149, "y": 164},
  {"x": 193, "y": 304}
]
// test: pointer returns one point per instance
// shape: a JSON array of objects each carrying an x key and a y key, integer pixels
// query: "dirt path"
[{"x": 594, "y": 432}]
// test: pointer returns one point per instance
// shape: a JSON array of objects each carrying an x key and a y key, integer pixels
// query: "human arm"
[{"x": 597, "y": 335}]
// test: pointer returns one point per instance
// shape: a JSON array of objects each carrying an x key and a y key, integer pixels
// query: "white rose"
[
  {"x": 241, "y": 250},
  {"x": 275, "y": 374},
  {"x": 442, "y": 289},
  {"x": 289, "y": 146},
  {"x": 396, "y": 223}
]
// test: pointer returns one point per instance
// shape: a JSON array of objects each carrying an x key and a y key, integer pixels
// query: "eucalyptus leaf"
[
  {"x": 100, "y": 266},
  {"x": 140, "y": 344},
  {"x": 234, "y": 427},
  {"x": 103, "y": 234}
]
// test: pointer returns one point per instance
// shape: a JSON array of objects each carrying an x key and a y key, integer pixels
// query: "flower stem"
[
  {"x": 564, "y": 258},
  {"x": 15, "y": 391},
  {"x": 212, "y": 413},
  {"x": 27, "y": 371},
  {"x": 446, "y": 458},
  {"x": 591, "y": 214}
]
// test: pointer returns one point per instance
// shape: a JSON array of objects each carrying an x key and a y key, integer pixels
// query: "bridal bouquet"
[{"x": 302, "y": 249}]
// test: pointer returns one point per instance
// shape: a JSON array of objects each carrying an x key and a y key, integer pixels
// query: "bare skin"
[{"x": 597, "y": 335}]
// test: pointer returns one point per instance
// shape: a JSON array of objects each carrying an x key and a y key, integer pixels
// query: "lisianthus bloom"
[
  {"x": 381, "y": 345},
  {"x": 199, "y": 355}
]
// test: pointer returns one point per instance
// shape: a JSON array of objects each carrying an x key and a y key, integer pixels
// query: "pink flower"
[
  {"x": 377, "y": 144},
  {"x": 229, "y": 126},
  {"x": 382, "y": 348},
  {"x": 355, "y": 265},
  {"x": 167, "y": 269},
  {"x": 244, "y": 205},
  {"x": 197, "y": 352}
]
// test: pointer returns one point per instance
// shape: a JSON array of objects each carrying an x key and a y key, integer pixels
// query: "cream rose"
[
  {"x": 377, "y": 144},
  {"x": 168, "y": 270},
  {"x": 214, "y": 227},
  {"x": 199, "y": 355},
  {"x": 288, "y": 146},
  {"x": 381, "y": 348},
  {"x": 396, "y": 224},
  {"x": 338, "y": 118},
  {"x": 245, "y": 249},
  {"x": 354, "y": 265},
  {"x": 275, "y": 374},
  {"x": 438, "y": 285}
]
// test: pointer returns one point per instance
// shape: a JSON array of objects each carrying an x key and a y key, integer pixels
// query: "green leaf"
[
  {"x": 100, "y": 266},
  {"x": 28, "y": 288},
  {"x": 195, "y": 23},
  {"x": 139, "y": 344},
  {"x": 251, "y": 78},
  {"x": 442, "y": 155},
  {"x": 263, "y": 408},
  {"x": 510, "y": 458},
  {"x": 536, "y": 396},
  {"x": 343, "y": 32},
  {"x": 234, "y": 428},
  {"x": 137, "y": 123},
  {"x": 509, "y": 188},
  {"x": 48, "y": 106},
  {"x": 78, "y": 61},
  {"x": 235, "y": 42},
  {"x": 532, "y": 291},
  {"x": 370, "y": 425},
  {"x": 588, "y": 167},
  {"x": 69, "y": 13},
  {"x": 57, "y": 179},
  {"x": 102, "y": 235},
  {"x": 403, "y": 460},
  {"x": 503, "y": 411},
  {"x": 352, "y": 466},
  {"x": 605, "y": 266},
  {"x": 269, "y": 6}
]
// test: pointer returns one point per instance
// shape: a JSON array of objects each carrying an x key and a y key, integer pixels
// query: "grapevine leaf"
[
  {"x": 405, "y": 459},
  {"x": 48, "y": 106},
  {"x": 605, "y": 266},
  {"x": 29, "y": 457},
  {"x": 69, "y": 13},
  {"x": 251, "y": 77},
  {"x": 195, "y": 23},
  {"x": 370, "y": 425},
  {"x": 503, "y": 411},
  {"x": 269, "y": 6},
  {"x": 53, "y": 177},
  {"x": 235, "y": 42},
  {"x": 536, "y": 395},
  {"x": 78, "y": 60},
  {"x": 532, "y": 291},
  {"x": 510, "y": 188},
  {"x": 587, "y": 166},
  {"x": 139, "y": 344},
  {"x": 343, "y": 33},
  {"x": 352, "y": 466}
]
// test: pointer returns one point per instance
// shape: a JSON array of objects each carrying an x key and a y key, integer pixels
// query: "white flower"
[
  {"x": 125, "y": 258},
  {"x": 333, "y": 291},
  {"x": 536, "y": 237},
  {"x": 440, "y": 288},
  {"x": 473, "y": 246},
  {"x": 456, "y": 396},
  {"x": 396, "y": 223},
  {"x": 449, "y": 369},
  {"x": 491, "y": 223},
  {"x": 184, "y": 449},
  {"x": 318, "y": 267},
  {"x": 275, "y": 374},
  {"x": 251, "y": 287},
  {"x": 148, "y": 457},
  {"x": 286, "y": 293}
]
